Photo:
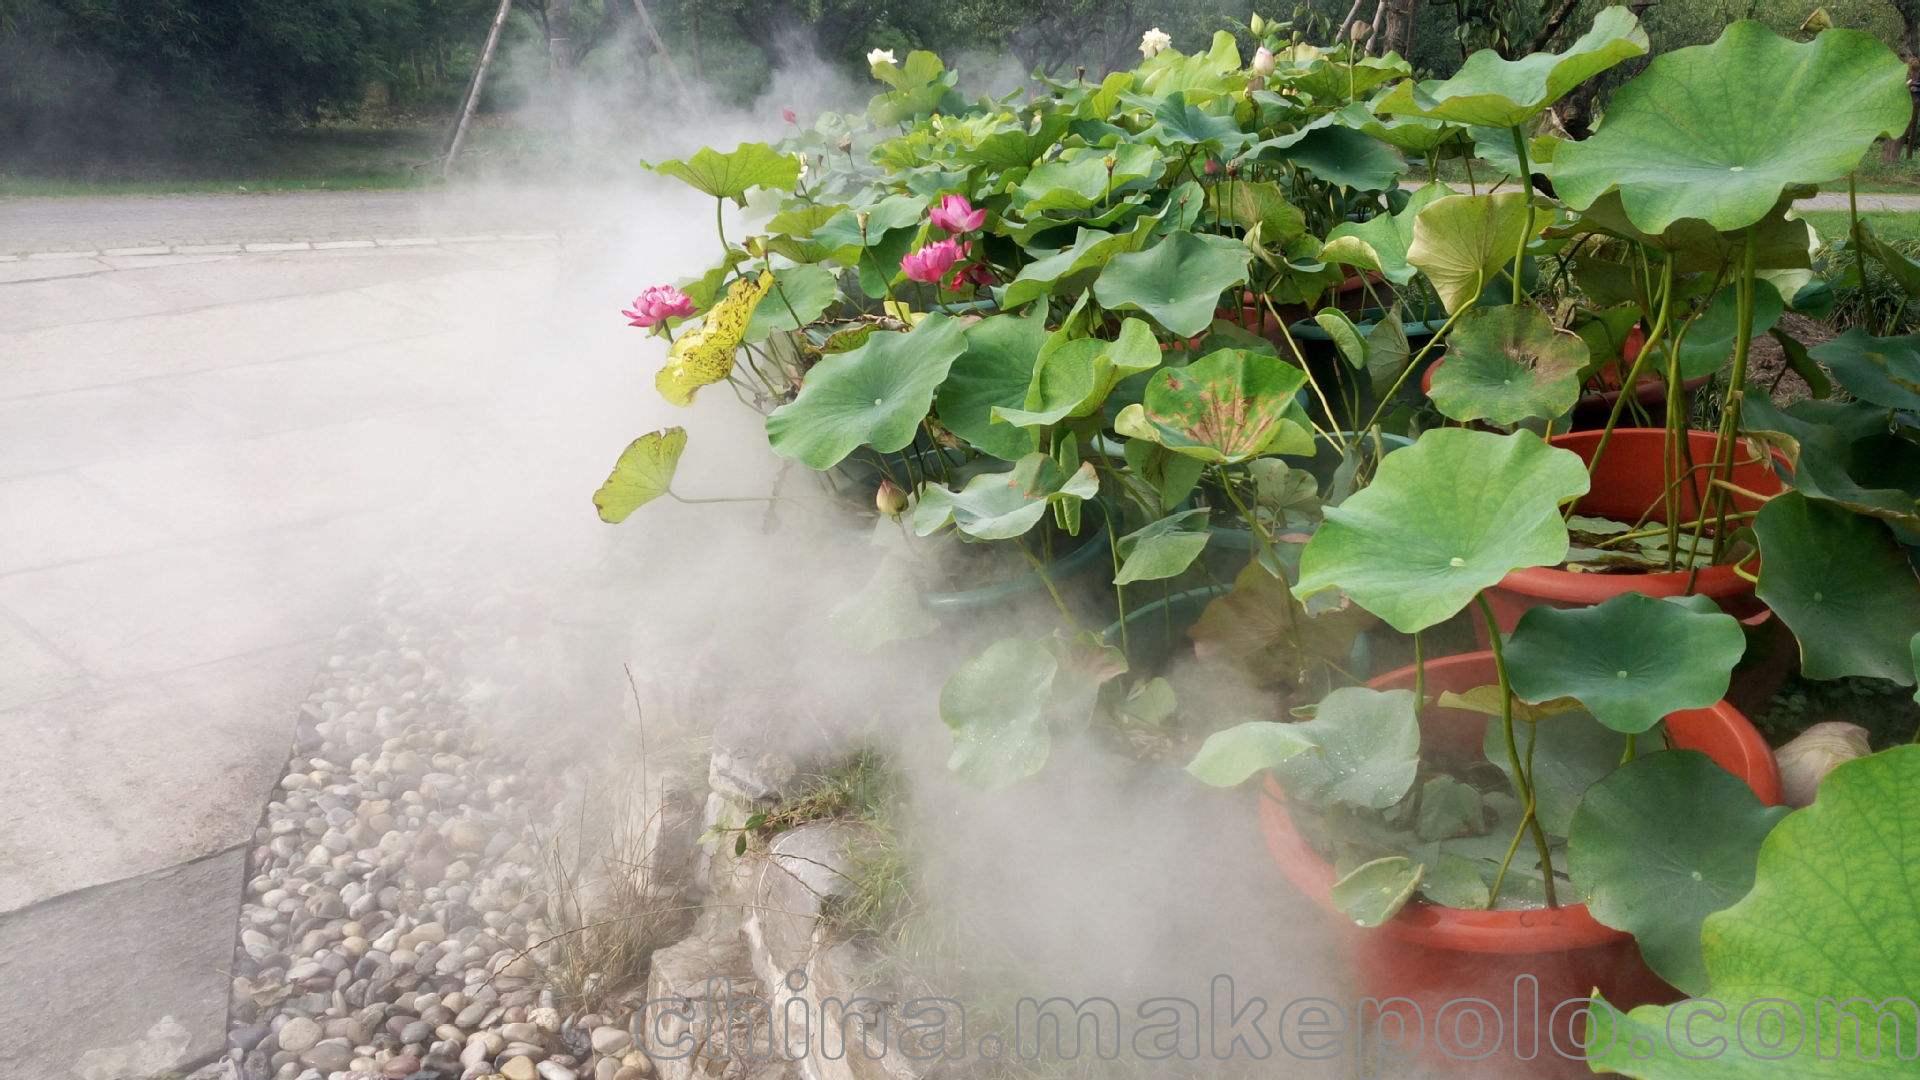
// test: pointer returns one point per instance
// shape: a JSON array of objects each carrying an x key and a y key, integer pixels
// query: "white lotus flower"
[
  {"x": 880, "y": 56},
  {"x": 1154, "y": 42}
]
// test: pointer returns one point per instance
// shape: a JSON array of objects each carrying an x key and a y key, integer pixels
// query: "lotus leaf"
[
  {"x": 1661, "y": 843},
  {"x": 1813, "y": 968},
  {"x": 1717, "y": 132},
  {"x": 1443, "y": 519},
  {"x": 1507, "y": 364},
  {"x": 875, "y": 394},
  {"x": 643, "y": 474}
]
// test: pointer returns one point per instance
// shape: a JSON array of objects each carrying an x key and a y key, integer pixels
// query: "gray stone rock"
[{"x": 298, "y": 1035}]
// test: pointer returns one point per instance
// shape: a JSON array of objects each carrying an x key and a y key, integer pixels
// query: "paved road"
[
  {"x": 100, "y": 223},
  {"x": 203, "y": 461}
]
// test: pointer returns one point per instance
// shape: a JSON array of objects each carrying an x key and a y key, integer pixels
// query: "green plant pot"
[{"x": 1091, "y": 552}]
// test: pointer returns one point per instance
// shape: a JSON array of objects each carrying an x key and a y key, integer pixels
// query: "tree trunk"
[
  {"x": 560, "y": 57},
  {"x": 1398, "y": 28}
]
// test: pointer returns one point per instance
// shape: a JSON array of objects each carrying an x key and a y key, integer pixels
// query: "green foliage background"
[{"x": 89, "y": 80}]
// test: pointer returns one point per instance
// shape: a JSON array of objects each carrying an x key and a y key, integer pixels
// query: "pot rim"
[
  {"x": 1517, "y": 931},
  {"x": 1553, "y": 583}
]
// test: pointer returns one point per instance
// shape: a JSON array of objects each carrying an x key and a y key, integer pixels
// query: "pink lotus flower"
[
  {"x": 932, "y": 262},
  {"x": 956, "y": 215},
  {"x": 658, "y": 304},
  {"x": 971, "y": 274},
  {"x": 789, "y": 116}
]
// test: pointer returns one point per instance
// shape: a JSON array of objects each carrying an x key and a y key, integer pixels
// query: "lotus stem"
[
  {"x": 1440, "y": 335},
  {"x": 1736, "y": 387},
  {"x": 1526, "y": 192},
  {"x": 1632, "y": 377},
  {"x": 1522, "y": 772}
]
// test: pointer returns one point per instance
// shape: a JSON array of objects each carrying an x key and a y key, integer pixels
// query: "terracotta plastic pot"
[
  {"x": 1630, "y": 479},
  {"x": 1593, "y": 408},
  {"x": 1526, "y": 963}
]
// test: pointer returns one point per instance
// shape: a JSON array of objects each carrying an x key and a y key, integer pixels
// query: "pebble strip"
[{"x": 394, "y": 886}]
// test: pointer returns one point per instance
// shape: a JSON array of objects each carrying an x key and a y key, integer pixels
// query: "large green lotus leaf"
[
  {"x": 1408, "y": 134},
  {"x": 1228, "y": 406},
  {"x": 1079, "y": 180},
  {"x": 1262, "y": 203},
  {"x": 1348, "y": 158},
  {"x": 790, "y": 232},
  {"x": 1015, "y": 146},
  {"x": 874, "y": 395},
  {"x": 995, "y": 705},
  {"x": 1631, "y": 660},
  {"x": 1710, "y": 339},
  {"x": 1884, "y": 371},
  {"x": 1374, "y": 892},
  {"x": 1569, "y": 754},
  {"x": 1366, "y": 750},
  {"x": 1073, "y": 376},
  {"x": 1461, "y": 241},
  {"x": 1228, "y": 758},
  {"x": 1844, "y": 453},
  {"x": 732, "y": 175},
  {"x": 1163, "y": 548},
  {"x": 1177, "y": 282},
  {"x": 1178, "y": 122},
  {"x": 1450, "y": 515},
  {"x": 1507, "y": 364},
  {"x": 799, "y": 295},
  {"x": 1843, "y": 586},
  {"x": 1815, "y": 966},
  {"x": 995, "y": 370},
  {"x": 843, "y": 232},
  {"x": 1003, "y": 505},
  {"x": 643, "y": 474},
  {"x": 1381, "y": 242},
  {"x": 1171, "y": 476},
  {"x": 1491, "y": 91},
  {"x": 1717, "y": 132},
  {"x": 1091, "y": 250},
  {"x": 1331, "y": 78},
  {"x": 1200, "y": 75},
  {"x": 1663, "y": 842}
]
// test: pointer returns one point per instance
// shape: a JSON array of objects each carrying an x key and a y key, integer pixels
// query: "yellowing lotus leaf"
[{"x": 705, "y": 356}]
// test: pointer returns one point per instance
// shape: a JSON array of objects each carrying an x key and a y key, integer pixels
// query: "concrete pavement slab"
[
  {"x": 100, "y": 969},
  {"x": 81, "y": 808},
  {"x": 45, "y": 432},
  {"x": 34, "y": 671},
  {"x": 56, "y": 518}
]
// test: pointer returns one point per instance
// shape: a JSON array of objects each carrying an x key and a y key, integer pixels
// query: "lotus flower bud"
[
  {"x": 1817, "y": 751},
  {"x": 1360, "y": 31},
  {"x": 1258, "y": 25},
  {"x": 889, "y": 499},
  {"x": 1263, "y": 62},
  {"x": 845, "y": 145}
]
